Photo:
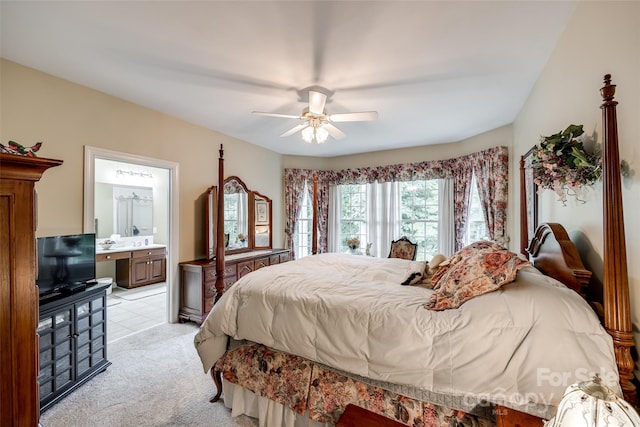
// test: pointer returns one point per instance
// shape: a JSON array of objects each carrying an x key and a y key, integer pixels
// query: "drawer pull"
[{"x": 108, "y": 256}]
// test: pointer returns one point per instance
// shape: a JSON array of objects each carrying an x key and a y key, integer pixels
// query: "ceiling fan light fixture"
[
  {"x": 321, "y": 135},
  {"x": 308, "y": 134},
  {"x": 316, "y": 123}
]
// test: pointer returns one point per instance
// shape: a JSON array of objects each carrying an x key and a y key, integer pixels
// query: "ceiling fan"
[{"x": 316, "y": 124}]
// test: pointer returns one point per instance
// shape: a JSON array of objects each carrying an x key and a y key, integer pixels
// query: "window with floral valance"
[{"x": 490, "y": 168}]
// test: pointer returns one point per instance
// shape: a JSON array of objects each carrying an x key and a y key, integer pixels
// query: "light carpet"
[{"x": 155, "y": 379}]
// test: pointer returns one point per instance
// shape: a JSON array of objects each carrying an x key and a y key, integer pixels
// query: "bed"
[{"x": 296, "y": 348}]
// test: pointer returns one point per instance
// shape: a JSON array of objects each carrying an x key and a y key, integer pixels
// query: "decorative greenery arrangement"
[
  {"x": 353, "y": 243},
  {"x": 17, "y": 148},
  {"x": 561, "y": 163}
]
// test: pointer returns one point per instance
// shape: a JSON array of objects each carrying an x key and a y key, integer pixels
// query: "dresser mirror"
[
  {"x": 247, "y": 218},
  {"x": 236, "y": 215},
  {"x": 261, "y": 220}
]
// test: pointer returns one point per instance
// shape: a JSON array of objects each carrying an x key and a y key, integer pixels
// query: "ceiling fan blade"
[
  {"x": 294, "y": 129},
  {"x": 286, "y": 116},
  {"x": 334, "y": 131},
  {"x": 317, "y": 100},
  {"x": 363, "y": 116}
]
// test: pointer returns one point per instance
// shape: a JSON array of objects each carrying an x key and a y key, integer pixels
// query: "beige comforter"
[{"x": 524, "y": 343}]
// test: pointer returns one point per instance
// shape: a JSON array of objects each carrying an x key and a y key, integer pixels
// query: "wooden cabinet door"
[
  {"x": 139, "y": 271},
  {"x": 157, "y": 269}
]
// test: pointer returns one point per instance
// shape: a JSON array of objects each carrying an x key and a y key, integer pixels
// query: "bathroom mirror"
[
  {"x": 236, "y": 216},
  {"x": 123, "y": 210}
]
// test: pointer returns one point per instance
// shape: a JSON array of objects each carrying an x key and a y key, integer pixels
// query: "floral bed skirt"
[{"x": 302, "y": 385}]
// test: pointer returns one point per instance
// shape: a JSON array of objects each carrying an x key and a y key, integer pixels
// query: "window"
[
  {"x": 419, "y": 216},
  {"x": 231, "y": 214},
  {"x": 302, "y": 236},
  {"x": 353, "y": 219},
  {"x": 419, "y": 204},
  {"x": 476, "y": 226}
]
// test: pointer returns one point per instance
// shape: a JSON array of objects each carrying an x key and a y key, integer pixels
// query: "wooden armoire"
[{"x": 19, "y": 396}]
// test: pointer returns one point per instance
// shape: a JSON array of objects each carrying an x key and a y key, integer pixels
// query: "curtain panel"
[
  {"x": 489, "y": 166},
  {"x": 295, "y": 180}
]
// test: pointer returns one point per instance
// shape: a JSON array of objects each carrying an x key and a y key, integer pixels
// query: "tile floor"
[{"x": 133, "y": 310}]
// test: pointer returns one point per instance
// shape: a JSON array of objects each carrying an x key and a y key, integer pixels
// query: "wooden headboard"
[
  {"x": 552, "y": 252},
  {"x": 615, "y": 310}
]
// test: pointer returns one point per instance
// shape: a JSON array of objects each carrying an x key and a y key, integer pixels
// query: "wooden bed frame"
[
  {"x": 613, "y": 305},
  {"x": 552, "y": 252}
]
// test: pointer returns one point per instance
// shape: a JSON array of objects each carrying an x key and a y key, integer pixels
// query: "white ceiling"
[{"x": 436, "y": 71}]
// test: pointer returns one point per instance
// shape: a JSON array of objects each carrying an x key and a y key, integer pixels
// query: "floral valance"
[
  {"x": 233, "y": 187},
  {"x": 430, "y": 169}
]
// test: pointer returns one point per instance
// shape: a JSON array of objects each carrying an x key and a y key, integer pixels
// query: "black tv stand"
[
  {"x": 72, "y": 289},
  {"x": 73, "y": 341}
]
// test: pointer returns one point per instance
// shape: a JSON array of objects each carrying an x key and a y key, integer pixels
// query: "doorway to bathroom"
[{"x": 132, "y": 201}]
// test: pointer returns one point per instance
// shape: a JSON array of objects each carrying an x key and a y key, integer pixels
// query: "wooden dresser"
[
  {"x": 19, "y": 393},
  {"x": 198, "y": 279}
]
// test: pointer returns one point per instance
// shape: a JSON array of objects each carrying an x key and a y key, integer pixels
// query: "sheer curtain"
[
  {"x": 335, "y": 207},
  {"x": 446, "y": 227},
  {"x": 383, "y": 217},
  {"x": 383, "y": 222},
  {"x": 243, "y": 214}
]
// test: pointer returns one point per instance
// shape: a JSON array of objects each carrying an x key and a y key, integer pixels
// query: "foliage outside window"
[
  {"x": 419, "y": 216},
  {"x": 353, "y": 219},
  {"x": 231, "y": 214}
]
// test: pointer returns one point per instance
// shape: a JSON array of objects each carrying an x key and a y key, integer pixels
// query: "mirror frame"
[{"x": 211, "y": 215}]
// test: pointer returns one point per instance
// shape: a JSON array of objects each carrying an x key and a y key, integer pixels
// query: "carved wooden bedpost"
[
  {"x": 220, "y": 228},
  {"x": 314, "y": 225},
  {"x": 615, "y": 281},
  {"x": 524, "y": 222}
]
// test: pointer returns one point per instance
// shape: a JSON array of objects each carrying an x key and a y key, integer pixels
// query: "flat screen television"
[{"x": 65, "y": 263}]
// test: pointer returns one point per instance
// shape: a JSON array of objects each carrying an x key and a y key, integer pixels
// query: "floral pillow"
[{"x": 474, "y": 270}]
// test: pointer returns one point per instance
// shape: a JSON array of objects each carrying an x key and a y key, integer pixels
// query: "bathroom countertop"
[{"x": 127, "y": 248}]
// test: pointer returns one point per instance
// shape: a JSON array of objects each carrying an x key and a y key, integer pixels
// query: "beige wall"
[
  {"x": 601, "y": 38},
  {"x": 498, "y": 137},
  {"x": 66, "y": 117}
]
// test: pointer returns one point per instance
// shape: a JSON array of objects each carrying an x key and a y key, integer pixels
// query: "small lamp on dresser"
[{"x": 591, "y": 403}]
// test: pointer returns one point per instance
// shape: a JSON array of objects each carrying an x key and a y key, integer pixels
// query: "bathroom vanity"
[{"x": 137, "y": 266}]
